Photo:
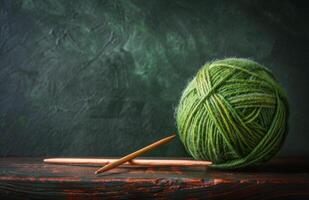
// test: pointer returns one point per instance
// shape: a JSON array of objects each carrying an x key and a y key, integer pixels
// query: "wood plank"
[{"x": 24, "y": 178}]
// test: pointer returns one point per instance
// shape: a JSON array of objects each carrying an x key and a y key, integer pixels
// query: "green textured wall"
[{"x": 104, "y": 77}]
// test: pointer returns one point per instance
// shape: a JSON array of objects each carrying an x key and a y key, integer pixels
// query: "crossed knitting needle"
[{"x": 129, "y": 159}]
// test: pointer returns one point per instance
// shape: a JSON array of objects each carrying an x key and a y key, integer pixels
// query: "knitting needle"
[
  {"x": 141, "y": 162},
  {"x": 135, "y": 154}
]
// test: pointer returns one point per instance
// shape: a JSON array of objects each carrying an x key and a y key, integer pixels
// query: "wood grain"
[{"x": 30, "y": 178}]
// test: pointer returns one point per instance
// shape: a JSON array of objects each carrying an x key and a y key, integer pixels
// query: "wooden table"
[{"x": 29, "y": 178}]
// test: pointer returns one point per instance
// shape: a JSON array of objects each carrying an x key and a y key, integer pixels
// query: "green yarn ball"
[{"x": 233, "y": 113}]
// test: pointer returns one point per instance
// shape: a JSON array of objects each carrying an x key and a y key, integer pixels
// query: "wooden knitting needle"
[
  {"x": 135, "y": 154},
  {"x": 141, "y": 162}
]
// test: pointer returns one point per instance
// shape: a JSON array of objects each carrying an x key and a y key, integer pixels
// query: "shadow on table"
[{"x": 281, "y": 165}]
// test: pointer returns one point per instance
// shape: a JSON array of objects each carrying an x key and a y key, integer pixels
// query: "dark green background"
[{"x": 102, "y": 78}]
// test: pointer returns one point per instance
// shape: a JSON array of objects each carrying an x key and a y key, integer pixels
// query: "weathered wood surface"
[{"x": 30, "y": 178}]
